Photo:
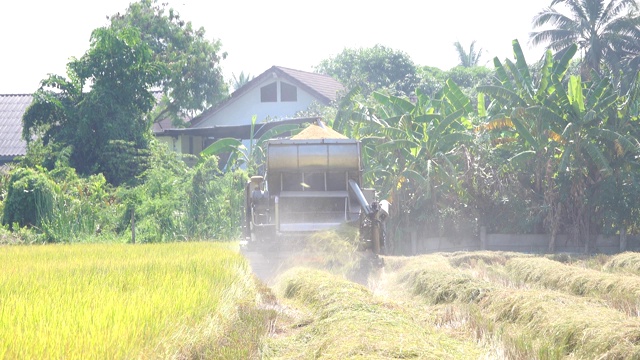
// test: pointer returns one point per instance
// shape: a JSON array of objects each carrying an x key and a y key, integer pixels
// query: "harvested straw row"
[
  {"x": 554, "y": 325},
  {"x": 628, "y": 262},
  {"x": 531, "y": 323},
  {"x": 433, "y": 278},
  {"x": 621, "y": 291},
  {"x": 349, "y": 323},
  {"x": 487, "y": 257}
]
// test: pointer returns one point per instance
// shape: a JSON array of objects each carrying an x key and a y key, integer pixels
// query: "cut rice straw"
[
  {"x": 620, "y": 291},
  {"x": 348, "y": 322},
  {"x": 532, "y": 323}
]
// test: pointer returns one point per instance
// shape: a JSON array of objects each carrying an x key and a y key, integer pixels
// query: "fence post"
[
  {"x": 623, "y": 239},
  {"x": 133, "y": 225},
  {"x": 483, "y": 238}
]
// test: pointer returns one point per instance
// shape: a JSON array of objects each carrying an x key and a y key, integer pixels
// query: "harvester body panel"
[{"x": 308, "y": 185}]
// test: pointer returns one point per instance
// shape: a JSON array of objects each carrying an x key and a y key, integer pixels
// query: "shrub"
[{"x": 30, "y": 197}]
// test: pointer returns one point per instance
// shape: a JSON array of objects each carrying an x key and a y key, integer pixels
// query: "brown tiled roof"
[
  {"x": 323, "y": 87},
  {"x": 12, "y": 107}
]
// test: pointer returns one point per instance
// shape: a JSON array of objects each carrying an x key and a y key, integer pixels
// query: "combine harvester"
[{"x": 312, "y": 182}]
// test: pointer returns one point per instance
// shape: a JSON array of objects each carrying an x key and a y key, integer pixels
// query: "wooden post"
[
  {"x": 483, "y": 238},
  {"x": 133, "y": 225},
  {"x": 623, "y": 239}
]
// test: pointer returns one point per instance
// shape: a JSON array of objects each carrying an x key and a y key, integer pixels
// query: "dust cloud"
[{"x": 323, "y": 250}]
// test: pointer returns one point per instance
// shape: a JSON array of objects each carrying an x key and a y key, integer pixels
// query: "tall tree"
[
  {"x": 108, "y": 121},
  {"x": 371, "y": 69},
  {"x": 194, "y": 80},
  {"x": 470, "y": 58},
  {"x": 603, "y": 30}
]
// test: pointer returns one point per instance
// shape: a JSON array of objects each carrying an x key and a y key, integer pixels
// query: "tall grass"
[{"x": 118, "y": 301}]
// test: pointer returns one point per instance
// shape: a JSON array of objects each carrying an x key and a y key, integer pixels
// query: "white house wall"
[
  {"x": 241, "y": 110},
  {"x": 182, "y": 143}
]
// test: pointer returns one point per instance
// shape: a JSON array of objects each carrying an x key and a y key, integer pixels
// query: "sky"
[{"x": 38, "y": 37}]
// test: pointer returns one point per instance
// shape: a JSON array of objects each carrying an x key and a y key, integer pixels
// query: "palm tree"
[
  {"x": 468, "y": 59},
  {"x": 239, "y": 81},
  {"x": 603, "y": 30}
]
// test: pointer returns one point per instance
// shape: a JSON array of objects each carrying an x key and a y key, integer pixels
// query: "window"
[
  {"x": 288, "y": 92},
  {"x": 269, "y": 93}
]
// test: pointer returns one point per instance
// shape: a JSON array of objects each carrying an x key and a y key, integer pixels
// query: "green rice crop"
[
  {"x": 349, "y": 323},
  {"x": 110, "y": 301}
]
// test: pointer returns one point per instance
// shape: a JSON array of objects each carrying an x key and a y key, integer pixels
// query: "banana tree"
[
  {"x": 515, "y": 118},
  {"x": 564, "y": 131},
  {"x": 410, "y": 150},
  {"x": 592, "y": 140},
  {"x": 240, "y": 155}
]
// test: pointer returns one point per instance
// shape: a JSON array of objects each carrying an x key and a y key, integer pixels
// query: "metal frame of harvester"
[{"x": 311, "y": 185}]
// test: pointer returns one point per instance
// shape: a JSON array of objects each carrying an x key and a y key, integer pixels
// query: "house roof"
[
  {"x": 12, "y": 107},
  {"x": 322, "y": 87},
  {"x": 236, "y": 131}
]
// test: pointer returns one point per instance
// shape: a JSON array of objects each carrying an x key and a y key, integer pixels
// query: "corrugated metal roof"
[{"x": 12, "y": 107}]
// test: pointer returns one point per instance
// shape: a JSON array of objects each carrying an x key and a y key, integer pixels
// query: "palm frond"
[
  {"x": 556, "y": 137},
  {"x": 523, "y": 159},
  {"x": 598, "y": 158},
  {"x": 504, "y": 95},
  {"x": 500, "y": 123},
  {"x": 623, "y": 143}
]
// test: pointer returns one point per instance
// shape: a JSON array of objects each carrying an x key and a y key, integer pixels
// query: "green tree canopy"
[
  {"x": 118, "y": 70},
  {"x": 194, "y": 78},
  {"x": 371, "y": 69}
]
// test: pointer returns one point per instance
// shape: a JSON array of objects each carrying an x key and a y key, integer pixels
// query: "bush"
[
  {"x": 30, "y": 198},
  {"x": 171, "y": 202}
]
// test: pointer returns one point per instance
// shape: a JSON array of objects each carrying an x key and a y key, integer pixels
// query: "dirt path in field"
[{"x": 267, "y": 265}]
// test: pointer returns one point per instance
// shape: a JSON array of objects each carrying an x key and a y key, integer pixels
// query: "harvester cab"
[{"x": 312, "y": 182}]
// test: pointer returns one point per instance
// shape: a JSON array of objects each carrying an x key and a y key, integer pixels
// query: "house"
[
  {"x": 273, "y": 97},
  {"x": 12, "y": 107}
]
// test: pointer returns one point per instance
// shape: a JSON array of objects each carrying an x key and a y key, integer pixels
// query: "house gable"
[{"x": 277, "y": 93}]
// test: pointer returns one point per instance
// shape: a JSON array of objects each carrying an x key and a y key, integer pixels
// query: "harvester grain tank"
[{"x": 312, "y": 182}]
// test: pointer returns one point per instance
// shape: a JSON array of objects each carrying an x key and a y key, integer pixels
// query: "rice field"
[
  {"x": 471, "y": 305},
  {"x": 112, "y": 301},
  {"x": 345, "y": 321},
  {"x": 200, "y": 300},
  {"x": 530, "y": 307}
]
